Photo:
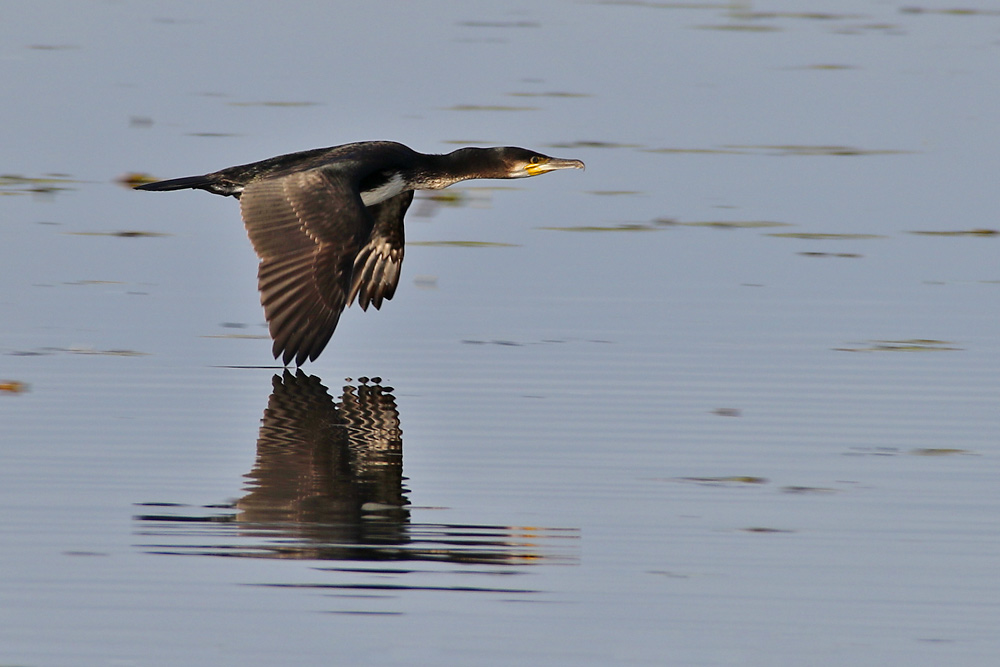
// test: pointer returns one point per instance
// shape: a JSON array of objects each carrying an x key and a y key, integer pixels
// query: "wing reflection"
[
  {"x": 328, "y": 484},
  {"x": 321, "y": 463}
]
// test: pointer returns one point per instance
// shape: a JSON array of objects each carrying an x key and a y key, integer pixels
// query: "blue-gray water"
[{"x": 729, "y": 397}]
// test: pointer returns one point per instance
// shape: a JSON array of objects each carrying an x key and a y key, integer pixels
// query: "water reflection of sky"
[{"x": 713, "y": 398}]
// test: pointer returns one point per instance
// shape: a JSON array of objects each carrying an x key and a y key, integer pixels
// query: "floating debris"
[
  {"x": 813, "y": 16},
  {"x": 827, "y": 67},
  {"x": 695, "y": 151},
  {"x": 939, "y": 451},
  {"x": 429, "y": 202},
  {"x": 103, "y": 353},
  {"x": 761, "y": 529},
  {"x": 816, "y": 150},
  {"x": 12, "y": 184},
  {"x": 13, "y": 386},
  {"x": 133, "y": 179},
  {"x": 93, "y": 282},
  {"x": 450, "y": 197},
  {"x": 732, "y": 479},
  {"x": 730, "y": 224},
  {"x": 593, "y": 144},
  {"x": 959, "y": 232},
  {"x": 831, "y": 150},
  {"x": 624, "y": 227},
  {"x": 78, "y": 349},
  {"x": 488, "y": 107},
  {"x": 886, "y": 28},
  {"x": 810, "y": 236},
  {"x": 125, "y": 234},
  {"x": 512, "y": 343},
  {"x": 728, "y": 412},
  {"x": 54, "y": 47},
  {"x": 872, "y": 451},
  {"x": 807, "y": 489},
  {"x": 667, "y": 573},
  {"x": 781, "y": 150},
  {"x": 911, "y": 345},
  {"x": 740, "y": 27},
  {"x": 950, "y": 12},
  {"x": 830, "y": 254}
]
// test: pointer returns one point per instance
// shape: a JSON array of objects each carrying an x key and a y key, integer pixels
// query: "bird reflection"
[
  {"x": 328, "y": 484},
  {"x": 328, "y": 471}
]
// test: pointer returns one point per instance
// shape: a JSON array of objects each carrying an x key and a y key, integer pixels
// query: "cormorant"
[{"x": 327, "y": 224}]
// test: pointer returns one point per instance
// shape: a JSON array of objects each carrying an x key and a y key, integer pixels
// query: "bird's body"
[{"x": 327, "y": 224}]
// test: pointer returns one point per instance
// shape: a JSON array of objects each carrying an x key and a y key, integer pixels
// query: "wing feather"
[
  {"x": 306, "y": 228},
  {"x": 377, "y": 266}
]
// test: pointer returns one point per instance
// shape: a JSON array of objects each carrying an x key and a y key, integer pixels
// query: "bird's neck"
[{"x": 439, "y": 171}]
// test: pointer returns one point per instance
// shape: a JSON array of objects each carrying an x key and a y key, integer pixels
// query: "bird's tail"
[{"x": 187, "y": 182}]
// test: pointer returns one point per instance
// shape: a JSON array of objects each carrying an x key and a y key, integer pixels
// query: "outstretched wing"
[
  {"x": 307, "y": 228},
  {"x": 376, "y": 268}
]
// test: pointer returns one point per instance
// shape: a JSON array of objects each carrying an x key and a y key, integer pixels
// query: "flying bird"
[{"x": 327, "y": 224}]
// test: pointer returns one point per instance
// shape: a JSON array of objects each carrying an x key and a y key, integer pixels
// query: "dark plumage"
[{"x": 327, "y": 224}]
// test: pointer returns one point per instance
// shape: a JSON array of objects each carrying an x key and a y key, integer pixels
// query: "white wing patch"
[{"x": 390, "y": 188}]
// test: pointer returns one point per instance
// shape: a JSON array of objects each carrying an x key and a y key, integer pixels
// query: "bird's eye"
[{"x": 535, "y": 159}]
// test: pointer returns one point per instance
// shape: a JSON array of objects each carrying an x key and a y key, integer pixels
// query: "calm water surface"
[{"x": 728, "y": 397}]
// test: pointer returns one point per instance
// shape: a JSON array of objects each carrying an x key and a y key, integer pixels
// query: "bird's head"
[
  {"x": 501, "y": 162},
  {"x": 521, "y": 162}
]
